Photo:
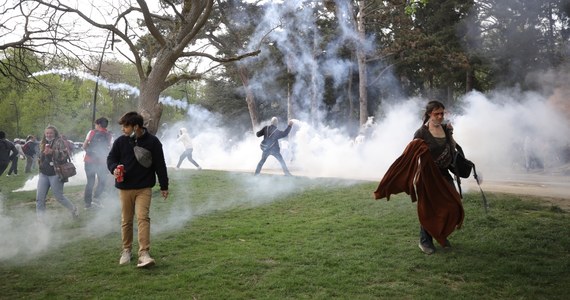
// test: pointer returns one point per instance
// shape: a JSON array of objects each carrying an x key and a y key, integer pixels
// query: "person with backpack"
[
  {"x": 270, "y": 144},
  {"x": 29, "y": 150},
  {"x": 97, "y": 145},
  {"x": 7, "y": 152}
]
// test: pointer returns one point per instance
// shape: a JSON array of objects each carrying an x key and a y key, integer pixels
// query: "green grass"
[{"x": 227, "y": 235}]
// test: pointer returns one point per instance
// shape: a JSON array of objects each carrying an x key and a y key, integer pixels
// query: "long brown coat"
[{"x": 440, "y": 210}]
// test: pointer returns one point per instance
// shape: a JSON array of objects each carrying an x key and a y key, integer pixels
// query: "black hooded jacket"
[
  {"x": 273, "y": 134},
  {"x": 136, "y": 176}
]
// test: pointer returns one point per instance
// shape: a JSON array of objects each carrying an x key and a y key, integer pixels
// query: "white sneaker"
[
  {"x": 125, "y": 257},
  {"x": 145, "y": 260}
]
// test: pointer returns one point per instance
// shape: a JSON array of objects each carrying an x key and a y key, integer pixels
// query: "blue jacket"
[{"x": 136, "y": 176}]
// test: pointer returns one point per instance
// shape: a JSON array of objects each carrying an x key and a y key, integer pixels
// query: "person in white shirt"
[{"x": 185, "y": 139}]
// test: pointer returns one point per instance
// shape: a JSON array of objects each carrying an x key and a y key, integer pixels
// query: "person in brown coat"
[{"x": 422, "y": 172}]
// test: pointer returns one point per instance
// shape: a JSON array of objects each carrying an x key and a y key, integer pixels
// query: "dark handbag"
[
  {"x": 65, "y": 170},
  {"x": 461, "y": 166}
]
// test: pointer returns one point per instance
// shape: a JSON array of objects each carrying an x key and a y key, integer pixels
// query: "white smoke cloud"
[
  {"x": 492, "y": 129},
  {"x": 167, "y": 100}
]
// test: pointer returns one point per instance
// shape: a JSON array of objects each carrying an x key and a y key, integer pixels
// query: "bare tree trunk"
[
  {"x": 149, "y": 107},
  {"x": 151, "y": 87},
  {"x": 289, "y": 100},
  {"x": 349, "y": 95},
  {"x": 550, "y": 35},
  {"x": 315, "y": 118},
  {"x": 469, "y": 80},
  {"x": 249, "y": 97},
  {"x": 361, "y": 58}
]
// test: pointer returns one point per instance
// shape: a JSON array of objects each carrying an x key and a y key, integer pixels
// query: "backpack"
[
  {"x": 98, "y": 147},
  {"x": 28, "y": 148}
]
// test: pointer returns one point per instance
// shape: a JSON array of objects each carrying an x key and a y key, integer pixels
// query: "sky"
[{"x": 498, "y": 131}]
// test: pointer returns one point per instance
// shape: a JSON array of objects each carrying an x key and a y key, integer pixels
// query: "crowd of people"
[
  {"x": 135, "y": 160},
  {"x": 136, "y": 157}
]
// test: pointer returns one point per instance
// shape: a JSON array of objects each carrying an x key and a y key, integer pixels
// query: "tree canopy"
[{"x": 304, "y": 59}]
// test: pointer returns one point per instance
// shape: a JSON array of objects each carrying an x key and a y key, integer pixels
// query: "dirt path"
[
  {"x": 554, "y": 189},
  {"x": 553, "y": 185}
]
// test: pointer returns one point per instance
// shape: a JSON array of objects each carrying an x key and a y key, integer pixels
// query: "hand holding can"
[{"x": 119, "y": 172}]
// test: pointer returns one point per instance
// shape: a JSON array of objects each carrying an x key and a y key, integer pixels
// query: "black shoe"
[
  {"x": 427, "y": 249},
  {"x": 447, "y": 244}
]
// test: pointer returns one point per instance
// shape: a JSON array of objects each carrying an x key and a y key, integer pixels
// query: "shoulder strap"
[{"x": 267, "y": 130}]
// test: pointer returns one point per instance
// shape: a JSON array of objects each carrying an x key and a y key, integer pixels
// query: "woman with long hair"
[
  {"x": 53, "y": 150},
  {"x": 422, "y": 171}
]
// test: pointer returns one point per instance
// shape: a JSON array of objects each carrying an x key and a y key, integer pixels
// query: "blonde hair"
[
  {"x": 44, "y": 141},
  {"x": 274, "y": 121}
]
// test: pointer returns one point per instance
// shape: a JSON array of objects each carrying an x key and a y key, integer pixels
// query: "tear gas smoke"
[
  {"x": 491, "y": 128},
  {"x": 167, "y": 100}
]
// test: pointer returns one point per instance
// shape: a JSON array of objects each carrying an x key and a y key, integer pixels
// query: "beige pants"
[{"x": 137, "y": 200}]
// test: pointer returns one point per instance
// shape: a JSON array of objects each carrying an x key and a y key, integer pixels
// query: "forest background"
[{"x": 335, "y": 63}]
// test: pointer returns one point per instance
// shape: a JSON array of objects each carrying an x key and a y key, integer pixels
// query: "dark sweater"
[
  {"x": 7, "y": 151},
  {"x": 272, "y": 134},
  {"x": 136, "y": 176}
]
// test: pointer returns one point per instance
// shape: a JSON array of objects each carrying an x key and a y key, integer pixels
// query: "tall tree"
[
  {"x": 238, "y": 18},
  {"x": 424, "y": 44},
  {"x": 519, "y": 37},
  {"x": 169, "y": 32}
]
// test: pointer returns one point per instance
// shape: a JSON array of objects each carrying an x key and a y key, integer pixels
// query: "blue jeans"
[
  {"x": 44, "y": 183},
  {"x": 93, "y": 170},
  {"x": 279, "y": 158},
  {"x": 187, "y": 154}
]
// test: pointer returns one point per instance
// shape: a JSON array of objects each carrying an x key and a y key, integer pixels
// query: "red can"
[{"x": 120, "y": 171}]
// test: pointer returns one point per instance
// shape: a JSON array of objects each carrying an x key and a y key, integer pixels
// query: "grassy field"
[{"x": 225, "y": 235}]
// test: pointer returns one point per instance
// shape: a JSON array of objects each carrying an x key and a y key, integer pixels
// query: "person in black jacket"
[
  {"x": 143, "y": 159},
  {"x": 7, "y": 152},
  {"x": 271, "y": 136}
]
